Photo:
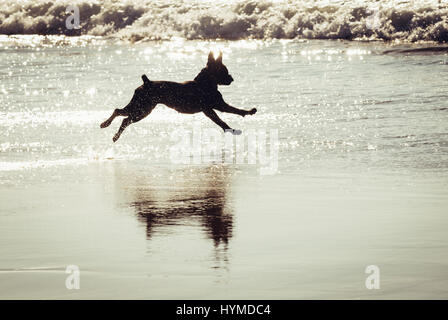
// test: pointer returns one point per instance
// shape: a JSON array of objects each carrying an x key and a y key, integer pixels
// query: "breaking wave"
[{"x": 303, "y": 19}]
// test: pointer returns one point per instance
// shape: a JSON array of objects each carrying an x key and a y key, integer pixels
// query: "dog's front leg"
[
  {"x": 224, "y": 107},
  {"x": 214, "y": 117}
]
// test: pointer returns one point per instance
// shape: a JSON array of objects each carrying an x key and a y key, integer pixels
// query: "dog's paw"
[
  {"x": 233, "y": 131},
  {"x": 104, "y": 125},
  {"x": 236, "y": 132},
  {"x": 115, "y": 138},
  {"x": 253, "y": 111}
]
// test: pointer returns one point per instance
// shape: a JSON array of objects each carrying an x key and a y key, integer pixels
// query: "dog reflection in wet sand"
[
  {"x": 184, "y": 203},
  {"x": 199, "y": 95}
]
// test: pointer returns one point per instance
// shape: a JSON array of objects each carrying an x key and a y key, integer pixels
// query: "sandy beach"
[{"x": 219, "y": 232}]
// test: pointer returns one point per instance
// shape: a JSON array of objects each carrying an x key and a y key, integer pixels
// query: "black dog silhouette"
[{"x": 199, "y": 95}]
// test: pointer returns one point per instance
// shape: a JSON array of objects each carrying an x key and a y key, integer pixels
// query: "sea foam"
[{"x": 304, "y": 19}]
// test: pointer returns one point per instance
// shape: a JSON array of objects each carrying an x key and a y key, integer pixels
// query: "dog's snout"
[{"x": 230, "y": 77}]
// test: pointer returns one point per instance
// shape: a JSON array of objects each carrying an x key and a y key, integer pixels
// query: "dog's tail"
[{"x": 145, "y": 79}]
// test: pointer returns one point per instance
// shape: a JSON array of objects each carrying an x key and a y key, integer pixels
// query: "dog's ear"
[
  {"x": 211, "y": 59},
  {"x": 219, "y": 59}
]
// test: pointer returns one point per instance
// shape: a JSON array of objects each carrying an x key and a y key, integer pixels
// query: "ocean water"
[{"x": 361, "y": 171}]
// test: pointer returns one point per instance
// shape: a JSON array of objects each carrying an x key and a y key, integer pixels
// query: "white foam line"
[
  {"x": 405, "y": 20},
  {"x": 23, "y": 165}
]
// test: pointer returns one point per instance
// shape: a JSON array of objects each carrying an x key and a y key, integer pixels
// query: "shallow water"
[{"x": 361, "y": 180}]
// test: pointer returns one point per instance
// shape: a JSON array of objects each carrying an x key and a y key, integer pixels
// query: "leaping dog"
[{"x": 199, "y": 95}]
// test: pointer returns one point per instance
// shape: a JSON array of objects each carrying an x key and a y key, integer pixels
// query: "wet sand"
[{"x": 221, "y": 231}]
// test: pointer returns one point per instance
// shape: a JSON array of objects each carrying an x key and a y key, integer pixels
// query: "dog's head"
[{"x": 218, "y": 70}]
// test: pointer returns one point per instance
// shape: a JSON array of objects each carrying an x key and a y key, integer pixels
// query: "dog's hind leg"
[
  {"x": 116, "y": 113},
  {"x": 127, "y": 121},
  {"x": 134, "y": 117},
  {"x": 136, "y": 101}
]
